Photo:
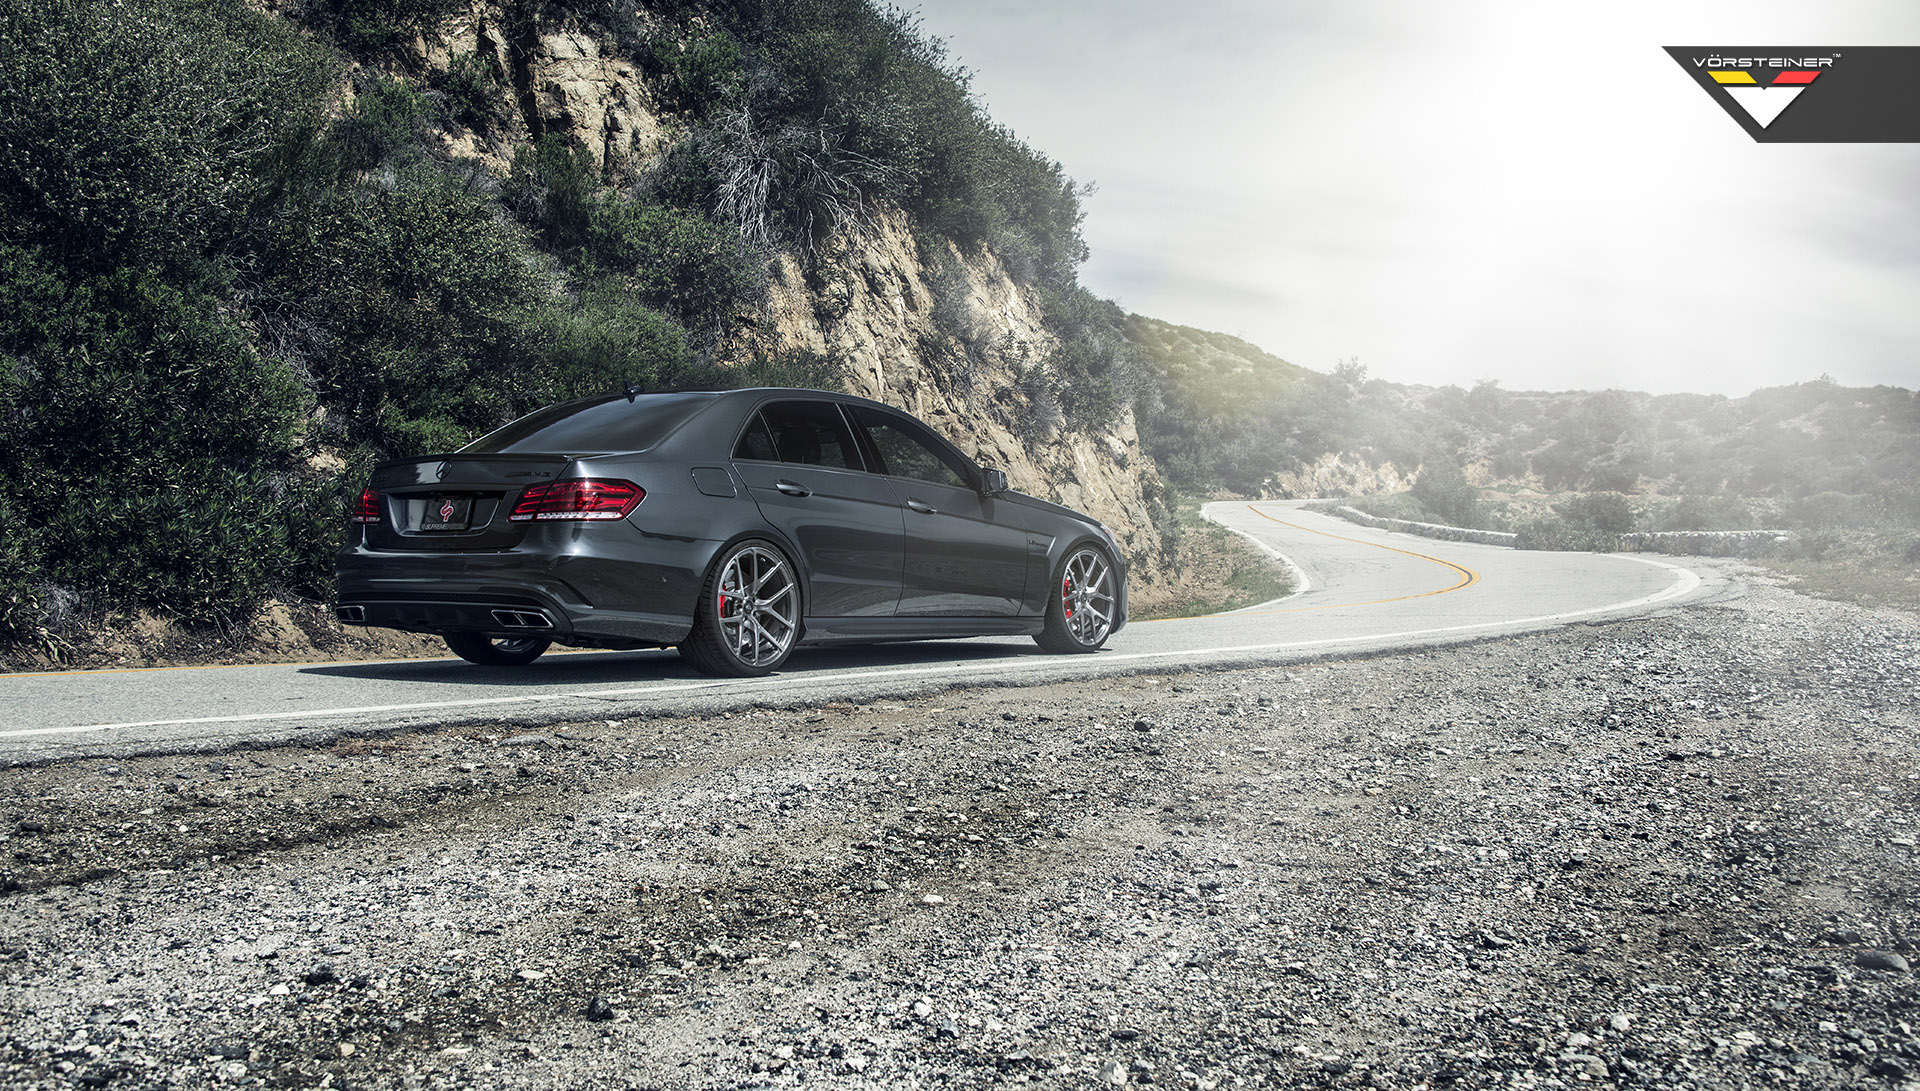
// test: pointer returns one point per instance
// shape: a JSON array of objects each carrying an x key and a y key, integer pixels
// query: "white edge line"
[
  {"x": 1301, "y": 584},
  {"x": 1687, "y": 582}
]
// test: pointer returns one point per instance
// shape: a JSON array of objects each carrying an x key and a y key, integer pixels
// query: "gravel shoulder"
[{"x": 1671, "y": 851}]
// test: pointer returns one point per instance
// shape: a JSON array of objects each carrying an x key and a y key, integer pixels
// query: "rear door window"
[{"x": 801, "y": 433}]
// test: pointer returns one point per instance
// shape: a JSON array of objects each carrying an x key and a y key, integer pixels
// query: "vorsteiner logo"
[
  {"x": 1763, "y": 62},
  {"x": 1864, "y": 94}
]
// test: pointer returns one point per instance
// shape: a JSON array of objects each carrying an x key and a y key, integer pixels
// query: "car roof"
[{"x": 757, "y": 393}]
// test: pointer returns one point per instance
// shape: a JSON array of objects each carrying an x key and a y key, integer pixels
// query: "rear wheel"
[
  {"x": 491, "y": 651},
  {"x": 748, "y": 615},
  {"x": 1080, "y": 610}
]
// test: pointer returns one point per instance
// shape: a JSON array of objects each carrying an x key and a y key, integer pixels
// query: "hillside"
[{"x": 245, "y": 254}]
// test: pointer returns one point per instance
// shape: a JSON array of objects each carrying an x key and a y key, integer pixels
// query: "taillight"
[
  {"x": 368, "y": 509},
  {"x": 586, "y": 498}
]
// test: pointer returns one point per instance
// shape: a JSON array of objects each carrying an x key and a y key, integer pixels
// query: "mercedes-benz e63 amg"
[{"x": 735, "y": 525}]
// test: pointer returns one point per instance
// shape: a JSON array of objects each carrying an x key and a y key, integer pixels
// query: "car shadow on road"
[{"x": 586, "y": 668}]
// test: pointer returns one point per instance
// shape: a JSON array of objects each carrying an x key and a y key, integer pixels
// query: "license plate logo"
[{"x": 445, "y": 513}]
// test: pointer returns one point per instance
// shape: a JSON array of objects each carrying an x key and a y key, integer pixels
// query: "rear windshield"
[{"x": 610, "y": 423}]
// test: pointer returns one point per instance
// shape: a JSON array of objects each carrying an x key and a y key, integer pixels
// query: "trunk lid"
[{"x": 453, "y": 503}]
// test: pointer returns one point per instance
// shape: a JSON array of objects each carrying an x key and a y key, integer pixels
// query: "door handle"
[
  {"x": 792, "y": 488},
  {"x": 921, "y": 506}
]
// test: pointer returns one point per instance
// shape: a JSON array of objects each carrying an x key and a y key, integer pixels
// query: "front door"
[{"x": 966, "y": 554}]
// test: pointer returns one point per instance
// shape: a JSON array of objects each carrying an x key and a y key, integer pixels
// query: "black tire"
[
  {"x": 748, "y": 617},
  {"x": 1081, "y": 606},
  {"x": 491, "y": 651}
]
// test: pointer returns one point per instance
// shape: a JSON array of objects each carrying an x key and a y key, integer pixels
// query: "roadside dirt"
[
  {"x": 282, "y": 632},
  {"x": 1676, "y": 851}
]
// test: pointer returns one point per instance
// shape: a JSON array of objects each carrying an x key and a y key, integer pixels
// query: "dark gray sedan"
[{"x": 733, "y": 524}]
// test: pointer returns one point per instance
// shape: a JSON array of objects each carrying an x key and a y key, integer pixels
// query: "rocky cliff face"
[
  {"x": 1338, "y": 475},
  {"x": 557, "y": 79},
  {"x": 949, "y": 345}
]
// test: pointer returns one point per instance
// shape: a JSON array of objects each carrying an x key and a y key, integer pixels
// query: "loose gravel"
[{"x": 1672, "y": 852}]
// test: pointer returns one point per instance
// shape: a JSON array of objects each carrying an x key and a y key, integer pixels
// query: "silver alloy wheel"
[
  {"x": 518, "y": 645},
  {"x": 756, "y": 606},
  {"x": 1086, "y": 597}
]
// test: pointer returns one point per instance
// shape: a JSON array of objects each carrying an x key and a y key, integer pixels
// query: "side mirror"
[{"x": 992, "y": 482}]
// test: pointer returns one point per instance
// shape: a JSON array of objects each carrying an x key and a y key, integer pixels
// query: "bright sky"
[{"x": 1528, "y": 192}]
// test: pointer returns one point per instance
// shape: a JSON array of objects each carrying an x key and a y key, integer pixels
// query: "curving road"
[{"x": 1361, "y": 591}]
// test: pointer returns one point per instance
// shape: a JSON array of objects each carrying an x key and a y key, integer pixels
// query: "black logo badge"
[{"x": 1801, "y": 95}]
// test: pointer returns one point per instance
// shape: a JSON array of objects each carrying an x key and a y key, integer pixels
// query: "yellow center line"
[{"x": 1468, "y": 577}]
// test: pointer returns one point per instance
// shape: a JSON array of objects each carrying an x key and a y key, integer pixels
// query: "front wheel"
[
  {"x": 489, "y": 651},
  {"x": 1080, "y": 610},
  {"x": 748, "y": 615}
]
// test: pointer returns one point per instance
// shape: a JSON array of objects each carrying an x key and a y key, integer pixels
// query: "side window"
[
  {"x": 906, "y": 451},
  {"x": 804, "y": 433},
  {"x": 756, "y": 442}
]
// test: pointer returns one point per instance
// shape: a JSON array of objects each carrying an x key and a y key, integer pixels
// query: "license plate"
[{"x": 447, "y": 513}]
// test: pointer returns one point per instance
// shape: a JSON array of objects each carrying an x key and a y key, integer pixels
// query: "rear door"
[
  {"x": 966, "y": 554},
  {"x": 804, "y": 469}
]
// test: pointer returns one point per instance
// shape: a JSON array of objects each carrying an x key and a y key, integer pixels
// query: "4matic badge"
[{"x": 1862, "y": 94}]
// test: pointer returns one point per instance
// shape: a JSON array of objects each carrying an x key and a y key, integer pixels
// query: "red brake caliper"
[{"x": 1066, "y": 595}]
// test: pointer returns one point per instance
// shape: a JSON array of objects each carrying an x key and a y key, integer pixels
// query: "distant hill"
[{"x": 1218, "y": 412}]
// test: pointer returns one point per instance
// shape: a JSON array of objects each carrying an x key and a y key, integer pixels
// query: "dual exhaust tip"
[
  {"x": 523, "y": 619},
  {"x": 506, "y": 619}
]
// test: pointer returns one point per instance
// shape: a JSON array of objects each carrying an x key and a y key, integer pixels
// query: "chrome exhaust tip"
[
  {"x": 352, "y": 615},
  {"x": 522, "y": 619}
]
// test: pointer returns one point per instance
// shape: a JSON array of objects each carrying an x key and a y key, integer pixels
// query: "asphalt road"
[{"x": 1362, "y": 591}]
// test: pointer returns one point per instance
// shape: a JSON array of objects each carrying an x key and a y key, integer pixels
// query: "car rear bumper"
[{"x": 639, "y": 592}]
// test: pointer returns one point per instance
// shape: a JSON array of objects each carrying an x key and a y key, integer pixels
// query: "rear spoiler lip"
[{"x": 505, "y": 470}]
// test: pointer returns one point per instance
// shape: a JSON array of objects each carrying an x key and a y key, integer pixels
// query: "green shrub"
[
  {"x": 20, "y": 610},
  {"x": 678, "y": 260},
  {"x": 1605, "y": 512},
  {"x": 389, "y": 123},
  {"x": 1693, "y": 512},
  {"x": 812, "y": 114},
  {"x": 609, "y": 339},
  {"x": 1832, "y": 510},
  {"x": 551, "y": 187},
  {"x": 147, "y": 479},
  {"x": 131, "y": 132},
  {"x": 1594, "y": 521},
  {"x": 205, "y": 548},
  {"x": 1443, "y": 490},
  {"x": 313, "y": 515},
  {"x": 373, "y": 26},
  {"x": 696, "y": 75},
  {"x": 1092, "y": 367},
  {"x": 1394, "y": 505},
  {"x": 793, "y": 367},
  {"x": 424, "y": 310},
  {"x": 472, "y": 86}
]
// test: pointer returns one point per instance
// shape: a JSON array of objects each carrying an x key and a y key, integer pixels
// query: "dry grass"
[
  {"x": 1894, "y": 586},
  {"x": 1214, "y": 569}
]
